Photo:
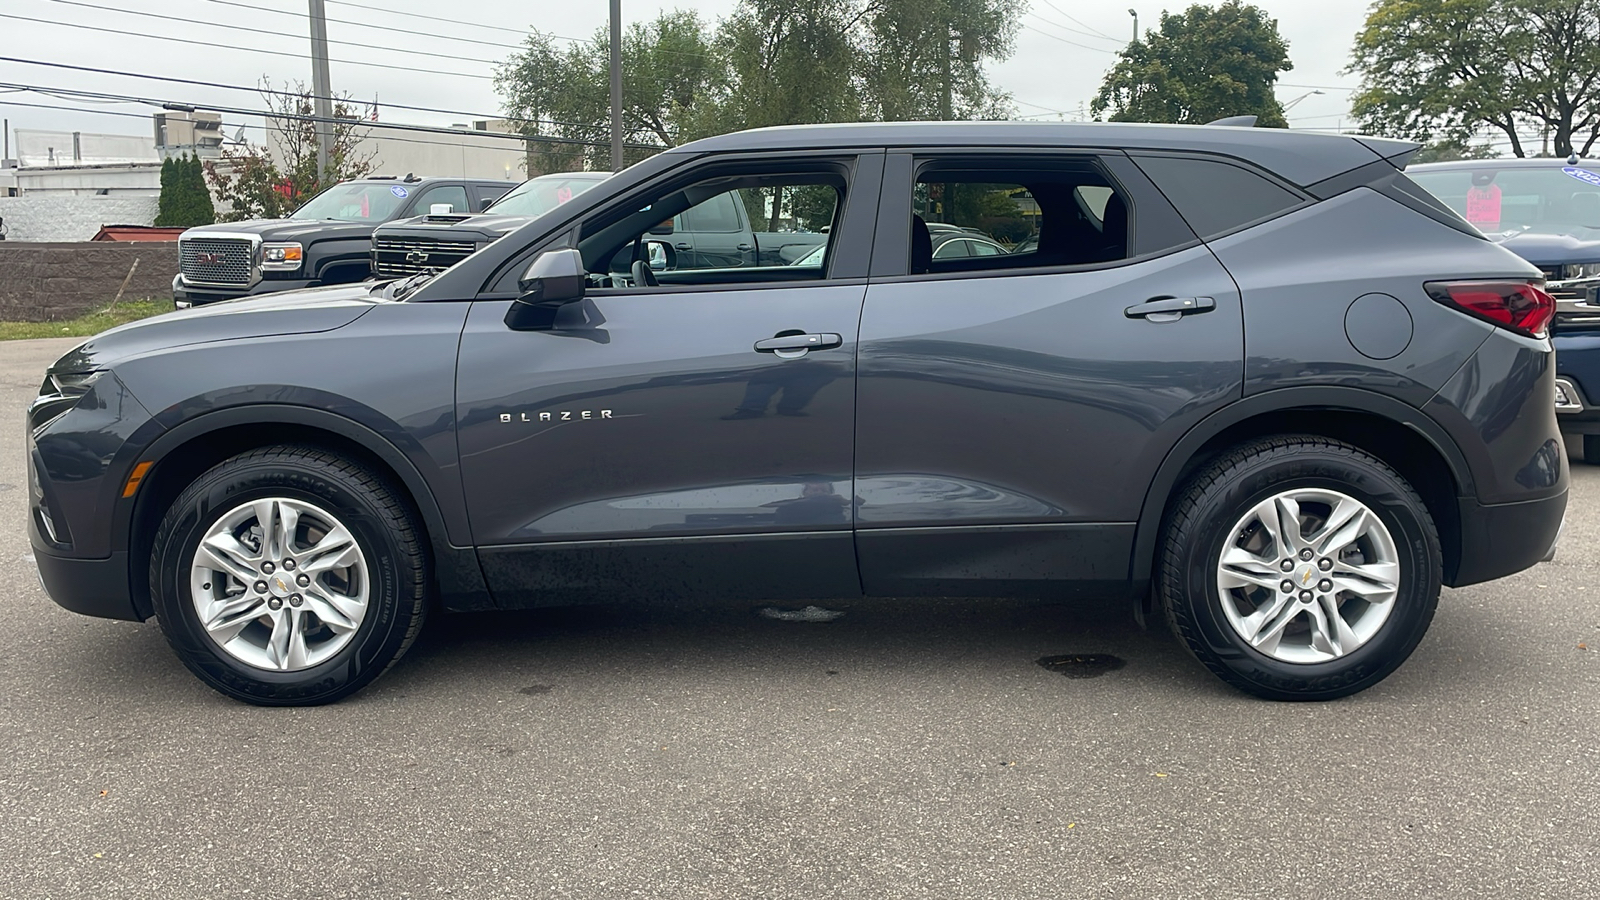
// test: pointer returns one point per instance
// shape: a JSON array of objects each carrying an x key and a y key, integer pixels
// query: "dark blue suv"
[{"x": 1546, "y": 211}]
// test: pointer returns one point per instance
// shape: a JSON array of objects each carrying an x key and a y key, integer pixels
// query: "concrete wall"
[
  {"x": 68, "y": 217},
  {"x": 463, "y": 153},
  {"x": 48, "y": 282}
]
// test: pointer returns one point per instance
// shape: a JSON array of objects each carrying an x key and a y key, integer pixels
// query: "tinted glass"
[
  {"x": 537, "y": 196},
  {"x": 716, "y": 215},
  {"x": 356, "y": 202},
  {"x": 1061, "y": 217},
  {"x": 983, "y": 248},
  {"x": 951, "y": 250},
  {"x": 453, "y": 194},
  {"x": 1215, "y": 197},
  {"x": 1554, "y": 199}
]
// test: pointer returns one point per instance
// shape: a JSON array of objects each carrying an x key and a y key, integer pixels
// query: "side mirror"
[
  {"x": 662, "y": 256},
  {"x": 555, "y": 279}
]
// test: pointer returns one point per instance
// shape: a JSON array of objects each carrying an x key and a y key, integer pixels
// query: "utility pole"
[
  {"x": 321, "y": 93},
  {"x": 616, "y": 85},
  {"x": 1135, "y": 14},
  {"x": 946, "y": 106}
]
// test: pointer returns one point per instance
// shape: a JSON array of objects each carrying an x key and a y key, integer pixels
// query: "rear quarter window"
[{"x": 1216, "y": 197}]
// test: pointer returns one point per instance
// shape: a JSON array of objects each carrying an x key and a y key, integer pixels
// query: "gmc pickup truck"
[
  {"x": 323, "y": 242},
  {"x": 715, "y": 234}
]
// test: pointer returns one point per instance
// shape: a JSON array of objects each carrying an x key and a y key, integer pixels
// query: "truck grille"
[
  {"x": 219, "y": 261},
  {"x": 396, "y": 257}
]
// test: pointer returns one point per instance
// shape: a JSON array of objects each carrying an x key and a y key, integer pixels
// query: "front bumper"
[
  {"x": 91, "y": 587},
  {"x": 1502, "y": 539},
  {"x": 185, "y": 295}
]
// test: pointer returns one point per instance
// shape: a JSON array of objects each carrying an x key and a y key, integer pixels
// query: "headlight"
[
  {"x": 60, "y": 392},
  {"x": 1581, "y": 270},
  {"x": 281, "y": 257}
]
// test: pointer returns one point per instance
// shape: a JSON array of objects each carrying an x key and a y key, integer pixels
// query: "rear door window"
[{"x": 452, "y": 194}]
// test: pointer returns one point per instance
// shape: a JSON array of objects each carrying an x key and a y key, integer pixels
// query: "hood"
[
  {"x": 1576, "y": 244},
  {"x": 487, "y": 225},
  {"x": 290, "y": 312},
  {"x": 303, "y": 230}
]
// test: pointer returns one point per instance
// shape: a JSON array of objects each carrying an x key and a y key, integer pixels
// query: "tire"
[
  {"x": 1287, "y": 644},
  {"x": 1591, "y": 449},
  {"x": 343, "y": 605}
]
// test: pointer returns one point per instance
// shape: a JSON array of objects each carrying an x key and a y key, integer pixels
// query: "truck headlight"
[
  {"x": 1580, "y": 270},
  {"x": 281, "y": 257}
]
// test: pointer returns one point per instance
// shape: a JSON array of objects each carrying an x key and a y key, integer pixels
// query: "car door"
[
  {"x": 1012, "y": 409},
  {"x": 721, "y": 238},
  {"x": 692, "y": 439}
]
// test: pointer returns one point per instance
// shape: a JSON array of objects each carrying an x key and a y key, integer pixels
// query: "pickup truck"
[
  {"x": 323, "y": 242},
  {"x": 714, "y": 234}
]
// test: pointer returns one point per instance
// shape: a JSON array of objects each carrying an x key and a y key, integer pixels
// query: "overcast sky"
[{"x": 1063, "y": 50}]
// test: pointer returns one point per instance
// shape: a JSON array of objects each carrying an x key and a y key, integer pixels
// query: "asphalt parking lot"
[{"x": 907, "y": 749}]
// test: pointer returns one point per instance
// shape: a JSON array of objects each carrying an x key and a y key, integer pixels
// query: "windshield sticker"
[
  {"x": 1583, "y": 175},
  {"x": 1483, "y": 207},
  {"x": 399, "y": 191},
  {"x": 563, "y": 194}
]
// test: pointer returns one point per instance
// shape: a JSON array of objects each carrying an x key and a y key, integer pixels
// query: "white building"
[{"x": 476, "y": 152}]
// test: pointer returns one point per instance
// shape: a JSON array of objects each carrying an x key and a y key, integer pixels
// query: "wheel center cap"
[
  {"x": 1304, "y": 577},
  {"x": 279, "y": 586}
]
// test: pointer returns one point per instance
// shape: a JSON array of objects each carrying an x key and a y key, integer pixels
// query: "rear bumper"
[
  {"x": 1504, "y": 538},
  {"x": 92, "y": 587}
]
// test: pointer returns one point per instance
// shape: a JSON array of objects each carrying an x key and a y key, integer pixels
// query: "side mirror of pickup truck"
[{"x": 554, "y": 279}]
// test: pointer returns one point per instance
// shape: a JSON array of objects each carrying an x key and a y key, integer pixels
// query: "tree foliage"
[
  {"x": 1202, "y": 64},
  {"x": 270, "y": 182},
  {"x": 185, "y": 201},
  {"x": 770, "y": 62},
  {"x": 1445, "y": 69}
]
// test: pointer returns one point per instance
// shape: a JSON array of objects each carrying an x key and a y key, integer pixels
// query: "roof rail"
[{"x": 1237, "y": 121}]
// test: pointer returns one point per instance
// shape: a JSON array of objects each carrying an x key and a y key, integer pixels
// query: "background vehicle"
[
  {"x": 954, "y": 244},
  {"x": 716, "y": 233},
  {"x": 1288, "y": 488},
  {"x": 1548, "y": 212},
  {"x": 326, "y": 241}
]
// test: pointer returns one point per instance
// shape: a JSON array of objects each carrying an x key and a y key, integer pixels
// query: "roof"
[
  {"x": 1299, "y": 156},
  {"x": 136, "y": 233}
]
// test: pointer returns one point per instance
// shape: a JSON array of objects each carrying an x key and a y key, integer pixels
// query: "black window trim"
[
  {"x": 1306, "y": 199},
  {"x": 920, "y": 159},
  {"x": 862, "y": 167}
]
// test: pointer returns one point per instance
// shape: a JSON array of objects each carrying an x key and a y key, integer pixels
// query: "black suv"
[
  {"x": 323, "y": 242},
  {"x": 1256, "y": 381}
]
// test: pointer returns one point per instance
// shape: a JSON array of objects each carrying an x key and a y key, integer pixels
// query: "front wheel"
[
  {"x": 289, "y": 576},
  {"x": 1299, "y": 568}
]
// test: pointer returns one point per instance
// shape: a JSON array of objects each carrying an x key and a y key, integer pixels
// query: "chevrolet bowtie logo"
[{"x": 1306, "y": 578}]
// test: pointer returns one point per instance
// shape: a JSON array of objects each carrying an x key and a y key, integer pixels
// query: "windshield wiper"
[{"x": 397, "y": 290}]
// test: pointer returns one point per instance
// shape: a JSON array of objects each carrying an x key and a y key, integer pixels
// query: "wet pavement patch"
[
  {"x": 1083, "y": 665},
  {"x": 808, "y": 614}
]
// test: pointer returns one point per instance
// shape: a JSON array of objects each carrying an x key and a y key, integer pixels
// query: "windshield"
[
  {"x": 356, "y": 201},
  {"x": 1555, "y": 199},
  {"x": 538, "y": 196}
]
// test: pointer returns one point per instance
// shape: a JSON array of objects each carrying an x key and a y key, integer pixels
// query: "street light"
[
  {"x": 1290, "y": 105},
  {"x": 1135, "y": 14}
]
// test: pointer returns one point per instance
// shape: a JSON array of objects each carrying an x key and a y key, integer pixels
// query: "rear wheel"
[
  {"x": 1300, "y": 568},
  {"x": 289, "y": 576}
]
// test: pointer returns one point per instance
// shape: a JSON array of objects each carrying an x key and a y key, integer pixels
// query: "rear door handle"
[
  {"x": 1169, "y": 309},
  {"x": 794, "y": 346}
]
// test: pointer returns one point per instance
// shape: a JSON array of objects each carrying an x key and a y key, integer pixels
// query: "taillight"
[{"x": 1521, "y": 306}]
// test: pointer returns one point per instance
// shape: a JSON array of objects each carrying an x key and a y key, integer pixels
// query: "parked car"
[
  {"x": 326, "y": 241},
  {"x": 1548, "y": 212},
  {"x": 716, "y": 233},
  {"x": 953, "y": 244},
  {"x": 430, "y": 243},
  {"x": 1279, "y": 407}
]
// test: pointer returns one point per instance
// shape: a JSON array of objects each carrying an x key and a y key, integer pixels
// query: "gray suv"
[{"x": 1254, "y": 381}]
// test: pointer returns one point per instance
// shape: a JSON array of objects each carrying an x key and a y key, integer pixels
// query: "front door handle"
[
  {"x": 1169, "y": 309},
  {"x": 683, "y": 245},
  {"x": 794, "y": 346},
  {"x": 745, "y": 247}
]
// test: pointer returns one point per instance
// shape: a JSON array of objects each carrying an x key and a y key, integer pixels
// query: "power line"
[
  {"x": 426, "y": 34},
  {"x": 161, "y": 37},
  {"x": 1065, "y": 41},
  {"x": 1073, "y": 18},
  {"x": 1054, "y": 24},
  {"x": 246, "y": 28},
  {"x": 262, "y": 90},
  {"x": 1324, "y": 87},
  {"x": 389, "y": 11}
]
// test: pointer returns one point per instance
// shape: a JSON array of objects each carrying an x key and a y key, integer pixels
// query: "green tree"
[
  {"x": 926, "y": 58},
  {"x": 1205, "y": 63},
  {"x": 1449, "y": 151},
  {"x": 184, "y": 202},
  {"x": 269, "y": 183},
  {"x": 1442, "y": 70},
  {"x": 564, "y": 92}
]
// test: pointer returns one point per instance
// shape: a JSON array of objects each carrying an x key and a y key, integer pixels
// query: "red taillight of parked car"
[{"x": 1521, "y": 306}]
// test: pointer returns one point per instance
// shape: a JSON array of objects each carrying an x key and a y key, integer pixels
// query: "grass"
[{"x": 85, "y": 325}]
